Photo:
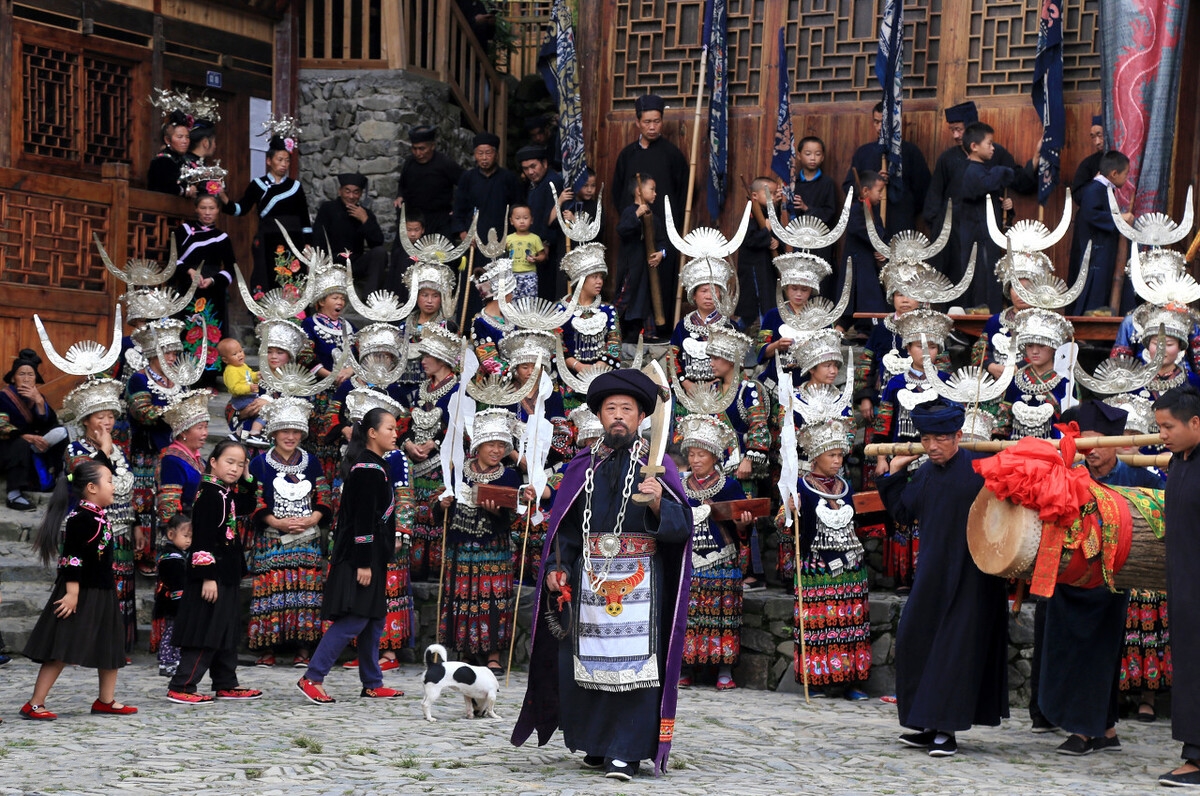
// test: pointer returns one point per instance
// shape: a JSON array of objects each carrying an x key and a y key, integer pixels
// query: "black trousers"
[
  {"x": 16, "y": 462},
  {"x": 194, "y": 662}
]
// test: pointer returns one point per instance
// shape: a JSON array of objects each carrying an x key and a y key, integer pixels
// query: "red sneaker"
[
  {"x": 381, "y": 693},
  {"x": 107, "y": 708},
  {"x": 353, "y": 664},
  {"x": 388, "y": 664},
  {"x": 242, "y": 694},
  {"x": 37, "y": 713},
  {"x": 184, "y": 698},
  {"x": 313, "y": 692}
]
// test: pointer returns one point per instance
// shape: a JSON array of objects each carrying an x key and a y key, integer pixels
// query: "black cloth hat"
[
  {"x": 625, "y": 381},
  {"x": 421, "y": 133},
  {"x": 26, "y": 356},
  {"x": 964, "y": 112},
  {"x": 938, "y": 417},
  {"x": 350, "y": 178},
  {"x": 178, "y": 118},
  {"x": 490, "y": 139},
  {"x": 531, "y": 152},
  {"x": 1097, "y": 416},
  {"x": 535, "y": 122},
  {"x": 1098, "y": 121},
  {"x": 649, "y": 102}
]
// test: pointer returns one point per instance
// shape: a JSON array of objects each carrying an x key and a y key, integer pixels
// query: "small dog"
[{"x": 476, "y": 683}]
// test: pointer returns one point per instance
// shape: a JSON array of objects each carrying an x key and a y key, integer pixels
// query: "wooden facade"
[
  {"x": 80, "y": 134},
  {"x": 982, "y": 50}
]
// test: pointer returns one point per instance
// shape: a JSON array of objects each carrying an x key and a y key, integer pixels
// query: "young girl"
[
  {"x": 81, "y": 623},
  {"x": 489, "y": 326},
  {"x": 434, "y": 285},
  {"x": 593, "y": 333},
  {"x": 833, "y": 569},
  {"x": 634, "y": 268},
  {"x": 325, "y": 328},
  {"x": 276, "y": 197},
  {"x": 1033, "y": 402},
  {"x": 476, "y": 611},
  {"x": 207, "y": 252},
  {"x": 172, "y": 575},
  {"x": 208, "y": 625},
  {"x": 705, "y": 282},
  {"x": 714, "y": 622},
  {"x": 800, "y": 276},
  {"x": 364, "y": 542}
]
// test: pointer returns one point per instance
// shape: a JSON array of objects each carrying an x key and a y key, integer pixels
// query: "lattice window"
[
  {"x": 150, "y": 234},
  {"x": 1003, "y": 46},
  {"x": 835, "y": 43},
  {"x": 47, "y": 241},
  {"x": 50, "y": 102},
  {"x": 109, "y": 87},
  {"x": 658, "y": 50}
]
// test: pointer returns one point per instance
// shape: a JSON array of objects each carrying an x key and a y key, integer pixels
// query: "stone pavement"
[{"x": 741, "y": 742}]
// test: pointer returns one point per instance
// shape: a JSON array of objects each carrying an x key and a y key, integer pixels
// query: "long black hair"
[
  {"x": 358, "y": 438},
  {"x": 222, "y": 446},
  {"x": 68, "y": 490}
]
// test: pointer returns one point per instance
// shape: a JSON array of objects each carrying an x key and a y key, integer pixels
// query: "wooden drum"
[{"x": 1004, "y": 538}]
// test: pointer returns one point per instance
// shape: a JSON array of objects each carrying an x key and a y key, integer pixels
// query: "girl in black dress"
[
  {"x": 208, "y": 623},
  {"x": 207, "y": 252},
  {"x": 81, "y": 624},
  {"x": 163, "y": 176}
]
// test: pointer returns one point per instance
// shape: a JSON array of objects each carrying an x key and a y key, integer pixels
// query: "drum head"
[{"x": 1003, "y": 537}]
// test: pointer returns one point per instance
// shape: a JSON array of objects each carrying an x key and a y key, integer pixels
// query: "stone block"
[
  {"x": 780, "y": 629},
  {"x": 883, "y": 610},
  {"x": 754, "y": 603},
  {"x": 882, "y": 650},
  {"x": 786, "y": 648},
  {"x": 376, "y": 131},
  {"x": 881, "y": 681},
  {"x": 779, "y": 668},
  {"x": 786, "y": 683},
  {"x": 752, "y": 670},
  {"x": 379, "y": 166},
  {"x": 1020, "y": 627},
  {"x": 757, "y": 640},
  {"x": 780, "y": 607}
]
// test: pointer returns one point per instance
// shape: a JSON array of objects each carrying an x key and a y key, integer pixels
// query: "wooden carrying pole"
[
  {"x": 691, "y": 191},
  {"x": 994, "y": 445}
]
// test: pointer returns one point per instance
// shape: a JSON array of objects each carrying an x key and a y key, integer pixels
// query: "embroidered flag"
[
  {"x": 889, "y": 71},
  {"x": 565, "y": 71},
  {"x": 715, "y": 17},
  {"x": 1048, "y": 96},
  {"x": 783, "y": 161}
]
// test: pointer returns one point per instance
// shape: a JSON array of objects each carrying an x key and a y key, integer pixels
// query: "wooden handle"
[
  {"x": 993, "y": 445},
  {"x": 648, "y": 471}
]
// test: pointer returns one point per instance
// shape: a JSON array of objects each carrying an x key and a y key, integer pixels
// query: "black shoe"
[
  {"x": 947, "y": 748},
  {"x": 623, "y": 773},
  {"x": 20, "y": 503},
  {"x": 1146, "y": 718},
  {"x": 1188, "y": 780},
  {"x": 1102, "y": 743},
  {"x": 1041, "y": 724},
  {"x": 918, "y": 740},
  {"x": 1076, "y": 746},
  {"x": 593, "y": 761}
]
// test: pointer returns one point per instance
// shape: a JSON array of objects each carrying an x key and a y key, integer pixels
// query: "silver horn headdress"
[
  {"x": 1153, "y": 229},
  {"x": 535, "y": 312},
  {"x": 275, "y": 305},
  {"x": 1179, "y": 288},
  {"x": 1025, "y": 244},
  {"x": 809, "y": 233},
  {"x": 1047, "y": 291},
  {"x": 584, "y": 228},
  {"x": 85, "y": 358},
  {"x": 577, "y": 382},
  {"x": 1120, "y": 374},
  {"x": 706, "y": 400},
  {"x": 912, "y": 246},
  {"x": 924, "y": 283},
  {"x": 495, "y": 246},
  {"x": 140, "y": 272},
  {"x": 435, "y": 248},
  {"x": 501, "y": 390},
  {"x": 377, "y": 338},
  {"x": 188, "y": 368},
  {"x": 705, "y": 241}
]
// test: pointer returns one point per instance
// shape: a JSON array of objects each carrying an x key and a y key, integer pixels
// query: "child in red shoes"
[{"x": 81, "y": 624}]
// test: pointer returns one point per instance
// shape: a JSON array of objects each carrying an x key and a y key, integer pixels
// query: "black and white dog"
[{"x": 476, "y": 683}]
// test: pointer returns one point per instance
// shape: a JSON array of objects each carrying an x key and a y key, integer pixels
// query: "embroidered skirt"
[
  {"x": 142, "y": 465},
  {"x": 477, "y": 610},
  {"x": 289, "y": 582},
  {"x": 398, "y": 624},
  {"x": 425, "y": 555},
  {"x": 123, "y": 578},
  {"x": 320, "y": 423},
  {"x": 93, "y": 637},
  {"x": 533, "y": 549},
  {"x": 1146, "y": 656},
  {"x": 714, "y": 622},
  {"x": 837, "y": 625}
]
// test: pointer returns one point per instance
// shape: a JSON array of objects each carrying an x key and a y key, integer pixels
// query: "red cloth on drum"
[{"x": 1032, "y": 474}]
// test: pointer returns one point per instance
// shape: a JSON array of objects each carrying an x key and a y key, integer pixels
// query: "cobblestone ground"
[{"x": 742, "y": 742}]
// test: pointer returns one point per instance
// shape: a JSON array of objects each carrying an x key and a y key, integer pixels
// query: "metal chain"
[{"x": 626, "y": 492}]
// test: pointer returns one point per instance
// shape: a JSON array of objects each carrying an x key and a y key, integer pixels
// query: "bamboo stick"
[
  {"x": 994, "y": 445},
  {"x": 691, "y": 190}
]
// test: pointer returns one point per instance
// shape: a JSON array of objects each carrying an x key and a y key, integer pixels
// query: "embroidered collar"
[
  {"x": 1030, "y": 383},
  {"x": 92, "y": 507},
  {"x": 425, "y": 395},
  {"x": 297, "y": 463},
  {"x": 697, "y": 488}
]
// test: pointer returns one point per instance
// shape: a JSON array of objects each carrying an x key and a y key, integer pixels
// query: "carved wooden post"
[{"x": 116, "y": 177}]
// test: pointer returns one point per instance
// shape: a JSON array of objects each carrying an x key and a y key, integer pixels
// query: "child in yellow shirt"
[
  {"x": 242, "y": 382},
  {"x": 526, "y": 250}
]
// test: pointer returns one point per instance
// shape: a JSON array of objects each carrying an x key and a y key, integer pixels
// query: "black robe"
[
  {"x": 365, "y": 537},
  {"x": 952, "y": 641},
  {"x": 428, "y": 189},
  {"x": 1181, "y": 508},
  {"x": 904, "y": 203},
  {"x": 978, "y": 182}
]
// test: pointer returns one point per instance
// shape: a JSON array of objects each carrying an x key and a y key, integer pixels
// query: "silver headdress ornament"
[
  {"x": 502, "y": 389},
  {"x": 158, "y": 335},
  {"x": 978, "y": 424},
  {"x": 1153, "y": 229},
  {"x": 972, "y": 384},
  {"x": 577, "y": 382},
  {"x": 286, "y": 413},
  {"x": 277, "y": 304},
  {"x": 1025, "y": 244},
  {"x": 1047, "y": 291},
  {"x": 361, "y": 400},
  {"x": 1179, "y": 288},
  {"x": 808, "y": 233},
  {"x": 495, "y": 245},
  {"x": 826, "y": 425},
  {"x": 584, "y": 228},
  {"x": 706, "y": 400},
  {"x": 197, "y": 173},
  {"x": 284, "y": 335},
  {"x": 186, "y": 409},
  {"x": 376, "y": 338},
  {"x": 441, "y": 344},
  {"x": 715, "y": 271},
  {"x": 435, "y": 248},
  {"x": 188, "y": 368},
  {"x": 1173, "y": 320},
  {"x": 728, "y": 344},
  {"x": 202, "y": 107},
  {"x": 140, "y": 272},
  {"x": 379, "y": 338},
  {"x": 818, "y": 312},
  {"x": 328, "y": 280},
  {"x": 706, "y": 433},
  {"x": 527, "y": 347},
  {"x": 151, "y": 303},
  {"x": 802, "y": 268},
  {"x": 706, "y": 241},
  {"x": 911, "y": 246},
  {"x": 420, "y": 276},
  {"x": 924, "y": 324},
  {"x": 814, "y": 348},
  {"x": 1120, "y": 374},
  {"x": 294, "y": 379},
  {"x": 534, "y": 312},
  {"x": 1042, "y": 327},
  {"x": 492, "y": 425},
  {"x": 1139, "y": 411},
  {"x": 583, "y": 261},
  {"x": 284, "y": 127},
  {"x": 85, "y": 358},
  {"x": 924, "y": 283},
  {"x": 587, "y": 425},
  {"x": 93, "y": 395},
  {"x": 498, "y": 278}
]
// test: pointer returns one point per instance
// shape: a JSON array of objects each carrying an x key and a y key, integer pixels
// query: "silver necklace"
[
  {"x": 426, "y": 396},
  {"x": 610, "y": 543},
  {"x": 1028, "y": 388},
  {"x": 704, "y": 493},
  {"x": 288, "y": 469}
]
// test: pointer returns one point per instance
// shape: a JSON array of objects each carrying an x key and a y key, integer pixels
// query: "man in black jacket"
[{"x": 343, "y": 225}]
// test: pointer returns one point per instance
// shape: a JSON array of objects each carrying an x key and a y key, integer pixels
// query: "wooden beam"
[{"x": 7, "y": 89}]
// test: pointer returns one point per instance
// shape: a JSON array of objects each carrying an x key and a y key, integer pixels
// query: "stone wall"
[{"x": 358, "y": 120}]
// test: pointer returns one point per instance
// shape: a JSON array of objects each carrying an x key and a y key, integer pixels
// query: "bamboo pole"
[
  {"x": 883, "y": 169},
  {"x": 800, "y": 600},
  {"x": 994, "y": 445},
  {"x": 466, "y": 293},
  {"x": 691, "y": 191},
  {"x": 512, "y": 641}
]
